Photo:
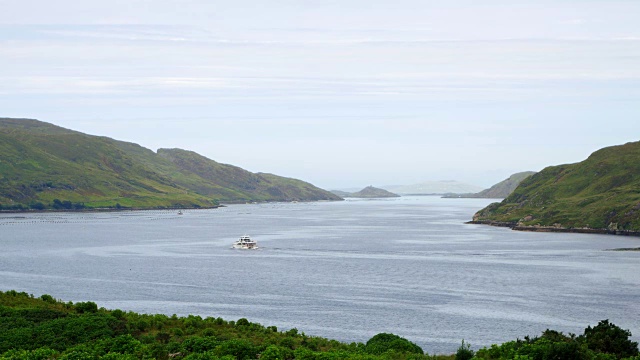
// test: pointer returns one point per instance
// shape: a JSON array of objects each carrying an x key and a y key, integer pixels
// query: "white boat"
[{"x": 245, "y": 242}]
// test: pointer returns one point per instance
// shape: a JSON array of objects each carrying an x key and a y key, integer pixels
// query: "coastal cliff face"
[
  {"x": 46, "y": 166},
  {"x": 600, "y": 193}
]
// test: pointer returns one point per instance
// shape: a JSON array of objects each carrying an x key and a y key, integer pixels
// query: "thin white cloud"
[{"x": 291, "y": 36}]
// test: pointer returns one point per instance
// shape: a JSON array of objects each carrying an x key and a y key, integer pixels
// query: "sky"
[{"x": 342, "y": 94}]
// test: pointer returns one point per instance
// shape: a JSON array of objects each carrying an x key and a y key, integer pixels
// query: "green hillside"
[
  {"x": 231, "y": 183},
  {"x": 505, "y": 187},
  {"x": 46, "y": 166},
  {"x": 498, "y": 191},
  {"x": 601, "y": 192}
]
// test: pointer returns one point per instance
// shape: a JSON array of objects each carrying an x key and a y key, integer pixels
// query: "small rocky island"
[{"x": 369, "y": 192}]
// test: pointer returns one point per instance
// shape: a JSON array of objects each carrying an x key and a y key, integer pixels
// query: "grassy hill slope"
[
  {"x": 41, "y": 163},
  {"x": 498, "y": 191},
  {"x": 505, "y": 187},
  {"x": 231, "y": 183},
  {"x": 601, "y": 192}
]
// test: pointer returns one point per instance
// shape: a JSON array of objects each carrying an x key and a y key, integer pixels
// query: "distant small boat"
[
  {"x": 245, "y": 242},
  {"x": 179, "y": 212}
]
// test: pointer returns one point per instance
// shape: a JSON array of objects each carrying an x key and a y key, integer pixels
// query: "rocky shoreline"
[
  {"x": 558, "y": 229},
  {"x": 99, "y": 210}
]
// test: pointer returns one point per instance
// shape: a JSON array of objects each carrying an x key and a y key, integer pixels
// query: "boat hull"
[
  {"x": 245, "y": 243},
  {"x": 245, "y": 247}
]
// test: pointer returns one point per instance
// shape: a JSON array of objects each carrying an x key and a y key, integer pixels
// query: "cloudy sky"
[{"x": 339, "y": 93}]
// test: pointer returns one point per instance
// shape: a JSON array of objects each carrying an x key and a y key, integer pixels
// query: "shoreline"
[
  {"x": 516, "y": 227},
  {"x": 95, "y": 210},
  {"x": 91, "y": 210}
]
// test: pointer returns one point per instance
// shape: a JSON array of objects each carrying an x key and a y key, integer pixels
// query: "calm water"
[{"x": 344, "y": 270}]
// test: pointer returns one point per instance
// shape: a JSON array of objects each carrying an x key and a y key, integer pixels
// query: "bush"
[
  {"x": 240, "y": 349},
  {"x": 610, "y": 339},
  {"x": 118, "y": 314},
  {"x": 603, "y": 342},
  {"x": 464, "y": 352},
  {"x": 274, "y": 352},
  {"x": 123, "y": 344},
  {"x": 48, "y": 299},
  {"x": 38, "y": 354},
  {"x": 384, "y": 342},
  {"x": 86, "y": 307},
  {"x": 242, "y": 322},
  {"x": 37, "y": 206},
  {"x": 196, "y": 344}
]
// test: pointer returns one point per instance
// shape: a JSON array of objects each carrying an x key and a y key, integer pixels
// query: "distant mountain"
[
  {"x": 341, "y": 193},
  {"x": 369, "y": 192},
  {"x": 47, "y": 166},
  {"x": 433, "y": 188},
  {"x": 601, "y": 193},
  {"x": 498, "y": 191}
]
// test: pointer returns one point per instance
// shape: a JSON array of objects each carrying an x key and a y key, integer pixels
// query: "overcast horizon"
[{"x": 340, "y": 94}]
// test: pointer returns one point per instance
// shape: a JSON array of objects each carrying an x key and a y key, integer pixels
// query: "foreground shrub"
[
  {"x": 384, "y": 342},
  {"x": 609, "y": 339},
  {"x": 464, "y": 352}
]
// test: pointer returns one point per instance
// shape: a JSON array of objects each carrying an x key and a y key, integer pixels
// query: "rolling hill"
[
  {"x": 369, "y": 192},
  {"x": 47, "y": 166},
  {"x": 498, "y": 191},
  {"x": 231, "y": 183},
  {"x": 601, "y": 193}
]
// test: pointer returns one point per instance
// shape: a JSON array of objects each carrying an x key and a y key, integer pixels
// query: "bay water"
[{"x": 343, "y": 270}]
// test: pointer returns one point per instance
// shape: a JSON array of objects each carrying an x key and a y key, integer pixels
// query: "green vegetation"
[
  {"x": 464, "y": 352},
  {"x": 231, "y": 183},
  {"x": 602, "y": 192},
  {"x": 43, "y": 166},
  {"x": 45, "y": 328},
  {"x": 498, "y": 191},
  {"x": 384, "y": 343},
  {"x": 602, "y": 342}
]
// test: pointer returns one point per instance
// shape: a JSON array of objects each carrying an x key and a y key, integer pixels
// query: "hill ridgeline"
[
  {"x": 45, "y": 166},
  {"x": 498, "y": 191}
]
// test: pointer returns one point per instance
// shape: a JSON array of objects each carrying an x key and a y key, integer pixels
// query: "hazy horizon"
[{"x": 340, "y": 94}]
